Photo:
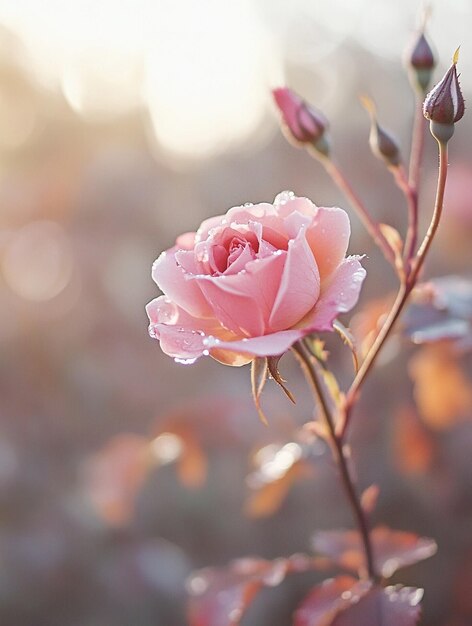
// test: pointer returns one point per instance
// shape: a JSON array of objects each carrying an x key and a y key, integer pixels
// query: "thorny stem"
[
  {"x": 339, "y": 453},
  {"x": 406, "y": 287},
  {"x": 370, "y": 224}
]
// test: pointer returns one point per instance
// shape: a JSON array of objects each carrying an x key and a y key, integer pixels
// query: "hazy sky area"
[{"x": 197, "y": 65}]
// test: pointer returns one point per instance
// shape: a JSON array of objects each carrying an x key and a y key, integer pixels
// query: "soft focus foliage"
[{"x": 93, "y": 181}]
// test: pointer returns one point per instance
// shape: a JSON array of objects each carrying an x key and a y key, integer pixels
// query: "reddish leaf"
[
  {"x": 343, "y": 601},
  {"x": 414, "y": 448},
  {"x": 393, "y": 606},
  {"x": 392, "y": 549},
  {"x": 113, "y": 476},
  {"x": 328, "y": 600},
  {"x": 369, "y": 498},
  {"x": 278, "y": 468},
  {"x": 220, "y": 596}
]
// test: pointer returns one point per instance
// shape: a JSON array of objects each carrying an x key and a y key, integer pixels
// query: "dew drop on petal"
[
  {"x": 283, "y": 197},
  {"x": 167, "y": 312},
  {"x": 185, "y": 361}
]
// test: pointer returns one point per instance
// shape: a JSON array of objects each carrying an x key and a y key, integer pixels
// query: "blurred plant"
[{"x": 262, "y": 280}]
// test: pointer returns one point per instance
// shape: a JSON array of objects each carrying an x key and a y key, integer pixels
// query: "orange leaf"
[
  {"x": 413, "y": 446},
  {"x": 442, "y": 392},
  {"x": 114, "y": 475}
]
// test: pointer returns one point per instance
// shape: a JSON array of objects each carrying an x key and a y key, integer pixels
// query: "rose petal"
[
  {"x": 171, "y": 279},
  {"x": 338, "y": 296},
  {"x": 243, "y": 302},
  {"x": 291, "y": 204},
  {"x": 268, "y": 345},
  {"x": 180, "y": 335},
  {"x": 328, "y": 238},
  {"x": 299, "y": 286},
  {"x": 186, "y": 241}
]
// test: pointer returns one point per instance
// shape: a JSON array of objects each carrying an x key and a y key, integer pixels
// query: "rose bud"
[
  {"x": 303, "y": 124},
  {"x": 421, "y": 62},
  {"x": 444, "y": 105},
  {"x": 382, "y": 144}
]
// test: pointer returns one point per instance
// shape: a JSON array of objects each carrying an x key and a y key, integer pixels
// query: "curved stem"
[
  {"x": 339, "y": 453},
  {"x": 370, "y": 224},
  {"x": 411, "y": 196},
  {"x": 373, "y": 352},
  {"x": 417, "y": 144},
  {"x": 403, "y": 293},
  {"x": 428, "y": 239}
]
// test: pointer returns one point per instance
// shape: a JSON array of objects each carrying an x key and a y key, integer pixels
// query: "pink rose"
[{"x": 254, "y": 281}]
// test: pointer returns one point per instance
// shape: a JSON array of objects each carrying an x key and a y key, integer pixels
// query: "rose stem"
[
  {"x": 405, "y": 289},
  {"x": 371, "y": 226},
  {"x": 416, "y": 156},
  {"x": 339, "y": 454},
  {"x": 411, "y": 195}
]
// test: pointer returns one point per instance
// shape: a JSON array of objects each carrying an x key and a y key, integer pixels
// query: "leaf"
[
  {"x": 182, "y": 446},
  {"x": 317, "y": 349},
  {"x": 113, "y": 476},
  {"x": 327, "y": 600},
  {"x": 392, "y": 606},
  {"x": 220, "y": 596},
  {"x": 369, "y": 498},
  {"x": 440, "y": 310},
  {"x": 259, "y": 372},
  {"x": 442, "y": 391},
  {"x": 343, "y": 601},
  {"x": 278, "y": 468},
  {"x": 272, "y": 363},
  {"x": 366, "y": 324},
  {"x": 349, "y": 340},
  {"x": 395, "y": 242},
  {"x": 392, "y": 549},
  {"x": 414, "y": 448}
]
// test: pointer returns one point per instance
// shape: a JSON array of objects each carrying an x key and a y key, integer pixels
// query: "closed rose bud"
[
  {"x": 302, "y": 122},
  {"x": 382, "y": 144},
  {"x": 444, "y": 105},
  {"x": 421, "y": 62}
]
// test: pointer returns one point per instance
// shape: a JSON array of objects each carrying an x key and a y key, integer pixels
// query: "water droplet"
[
  {"x": 283, "y": 197},
  {"x": 185, "y": 361},
  {"x": 167, "y": 312},
  {"x": 206, "y": 353},
  {"x": 346, "y": 595},
  {"x": 248, "y": 204}
]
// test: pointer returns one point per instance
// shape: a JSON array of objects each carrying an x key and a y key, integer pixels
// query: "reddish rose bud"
[
  {"x": 444, "y": 105},
  {"x": 421, "y": 62},
  {"x": 303, "y": 123},
  {"x": 421, "y": 55}
]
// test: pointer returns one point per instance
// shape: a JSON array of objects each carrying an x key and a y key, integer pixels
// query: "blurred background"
[{"x": 123, "y": 124}]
